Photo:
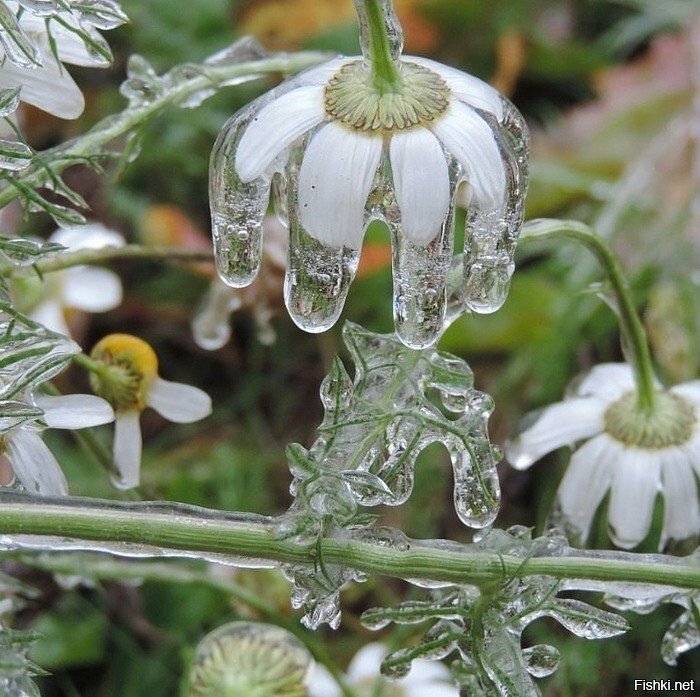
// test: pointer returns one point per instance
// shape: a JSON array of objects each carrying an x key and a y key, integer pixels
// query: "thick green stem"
[
  {"x": 65, "y": 260},
  {"x": 93, "y": 142},
  {"x": 632, "y": 327},
  {"x": 99, "y": 525},
  {"x": 376, "y": 20}
]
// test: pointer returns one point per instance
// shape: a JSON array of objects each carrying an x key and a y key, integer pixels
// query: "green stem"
[
  {"x": 56, "y": 159},
  {"x": 65, "y": 260},
  {"x": 189, "y": 530},
  {"x": 632, "y": 327},
  {"x": 376, "y": 18}
]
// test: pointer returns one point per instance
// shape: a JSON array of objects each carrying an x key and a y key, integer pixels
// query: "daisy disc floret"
[
  {"x": 124, "y": 371},
  {"x": 384, "y": 137},
  {"x": 633, "y": 453}
]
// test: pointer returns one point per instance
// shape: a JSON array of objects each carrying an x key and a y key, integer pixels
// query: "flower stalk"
[
  {"x": 377, "y": 21},
  {"x": 631, "y": 326},
  {"x": 92, "y": 525}
]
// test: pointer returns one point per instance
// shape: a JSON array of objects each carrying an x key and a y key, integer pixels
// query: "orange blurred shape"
[
  {"x": 511, "y": 55},
  {"x": 375, "y": 257},
  {"x": 167, "y": 225},
  {"x": 285, "y": 24}
]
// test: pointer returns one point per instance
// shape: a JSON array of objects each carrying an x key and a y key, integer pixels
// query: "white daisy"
[
  {"x": 86, "y": 288},
  {"x": 126, "y": 375},
  {"x": 27, "y": 59},
  {"x": 634, "y": 455},
  {"x": 426, "y": 679},
  {"x": 31, "y": 461},
  {"x": 338, "y": 151}
]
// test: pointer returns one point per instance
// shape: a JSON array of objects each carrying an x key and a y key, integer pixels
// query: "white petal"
[
  {"x": 74, "y": 410},
  {"x": 587, "y": 479},
  {"x": 178, "y": 402},
  {"x": 681, "y": 511},
  {"x": 34, "y": 464},
  {"x": 608, "y": 381},
  {"x": 692, "y": 449},
  {"x": 421, "y": 182},
  {"x": 465, "y": 87},
  {"x": 335, "y": 179},
  {"x": 634, "y": 488},
  {"x": 470, "y": 139},
  {"x": 366, "y": 663},
  {"x": 563, "y": 423},
  {"x": 424, "y": 672},
  {"x": 46, "y": 87},
  {"x": 89, "y": 236},
  {"x": 322, "y": 684},
  {"x": 435, "y": 689},
  {"x": 689, "y": 390},
  {"x": 321, "y": 74},
  {"x": 91, "y": 289},
  {"x": 50, "y": 315},
  {"x": 276, "y": 126},
  {"x": 127, "y": 449}
]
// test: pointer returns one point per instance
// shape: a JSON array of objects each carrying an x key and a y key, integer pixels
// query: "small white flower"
[
  {"x": 426, "y": 679},
  {"x": 86, "y": 288},
  {"x": 129, "y": 381},
  {"x": 634, "y": 455},
  {"x": 31, "y": 460},
  {"x": 28, "y": 61}
]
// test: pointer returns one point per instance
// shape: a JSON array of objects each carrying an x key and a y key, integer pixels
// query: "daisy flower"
[
  {"x": 31, "y": 461},
  {"x": 635, "y": 455},
  {"x": 37, "y": 40},
  {"x": 374, "y": 137},
  {"x": 426, "y": 679},
  {"x": 85, "y": 288},
  {"x": 125, "y": 373}
]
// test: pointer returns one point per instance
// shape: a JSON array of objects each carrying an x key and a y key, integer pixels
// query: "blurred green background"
[{"x": 607, "y": 89}]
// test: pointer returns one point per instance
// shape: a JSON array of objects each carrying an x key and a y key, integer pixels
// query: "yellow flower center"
[
  {"x": 353, "y": 99},
  {"x": 129, "y": 368}
]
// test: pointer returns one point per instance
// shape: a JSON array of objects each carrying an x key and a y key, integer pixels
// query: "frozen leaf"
[
  {"x": 586, "y": 621},
  {"x": 683, "y": 635}
]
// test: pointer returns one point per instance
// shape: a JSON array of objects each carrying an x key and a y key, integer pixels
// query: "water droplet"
[{"x": 541, "y": 660}]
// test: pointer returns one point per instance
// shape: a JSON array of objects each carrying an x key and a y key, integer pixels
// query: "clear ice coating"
[
  {"x": 318, "y": 277},
  {"x": 485, "y": 630},
  {"x": 393, "y": 28}
]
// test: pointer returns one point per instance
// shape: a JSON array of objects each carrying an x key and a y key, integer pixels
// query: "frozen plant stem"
[
  {"x": 92, "y": 525},
  {"x": 92, "y": 143},
  {"x": 376, "y": 18},
  {"x": 632, "y": 327},
  {"x": 65, "y": 260}
]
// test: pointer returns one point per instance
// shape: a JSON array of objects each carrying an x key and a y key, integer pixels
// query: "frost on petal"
[
  {"x": 74, "y": 411},
  {"x": 681, "y": 511},
  {"x": 276, "y": 126},
  {"x": 465, "y": 87},
  {"x": 469, "y": 138},
  {"x": 319, "y": 75},
  {"x": 178, "y": 402},
  {"x": 634, "y": 488},
  {"x": 607, "y": 381},
  {"x": 557, "y": 425},
  {"x": 126, "y": 450},
  {"x": 335, "y": 179},
  {"x": 586, "y": 481},
  {"x": 421, "y": 183},
  {"x": 34, "y": 464},
  {"x": 48, "y": 87},
  {"x": 91, "y": 289}
]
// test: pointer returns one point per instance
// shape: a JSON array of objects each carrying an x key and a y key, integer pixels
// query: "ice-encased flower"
[
  {"x": 35, "y": 42},
  {"x": 337, "y": 154},
  {"x": 426, "y": 679},
  {"x": 129, "y": 381},
  {"x": 635, "y": 457},
  {"x": 33, "y": 464},
  {"x": 86, "y": 288}
]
